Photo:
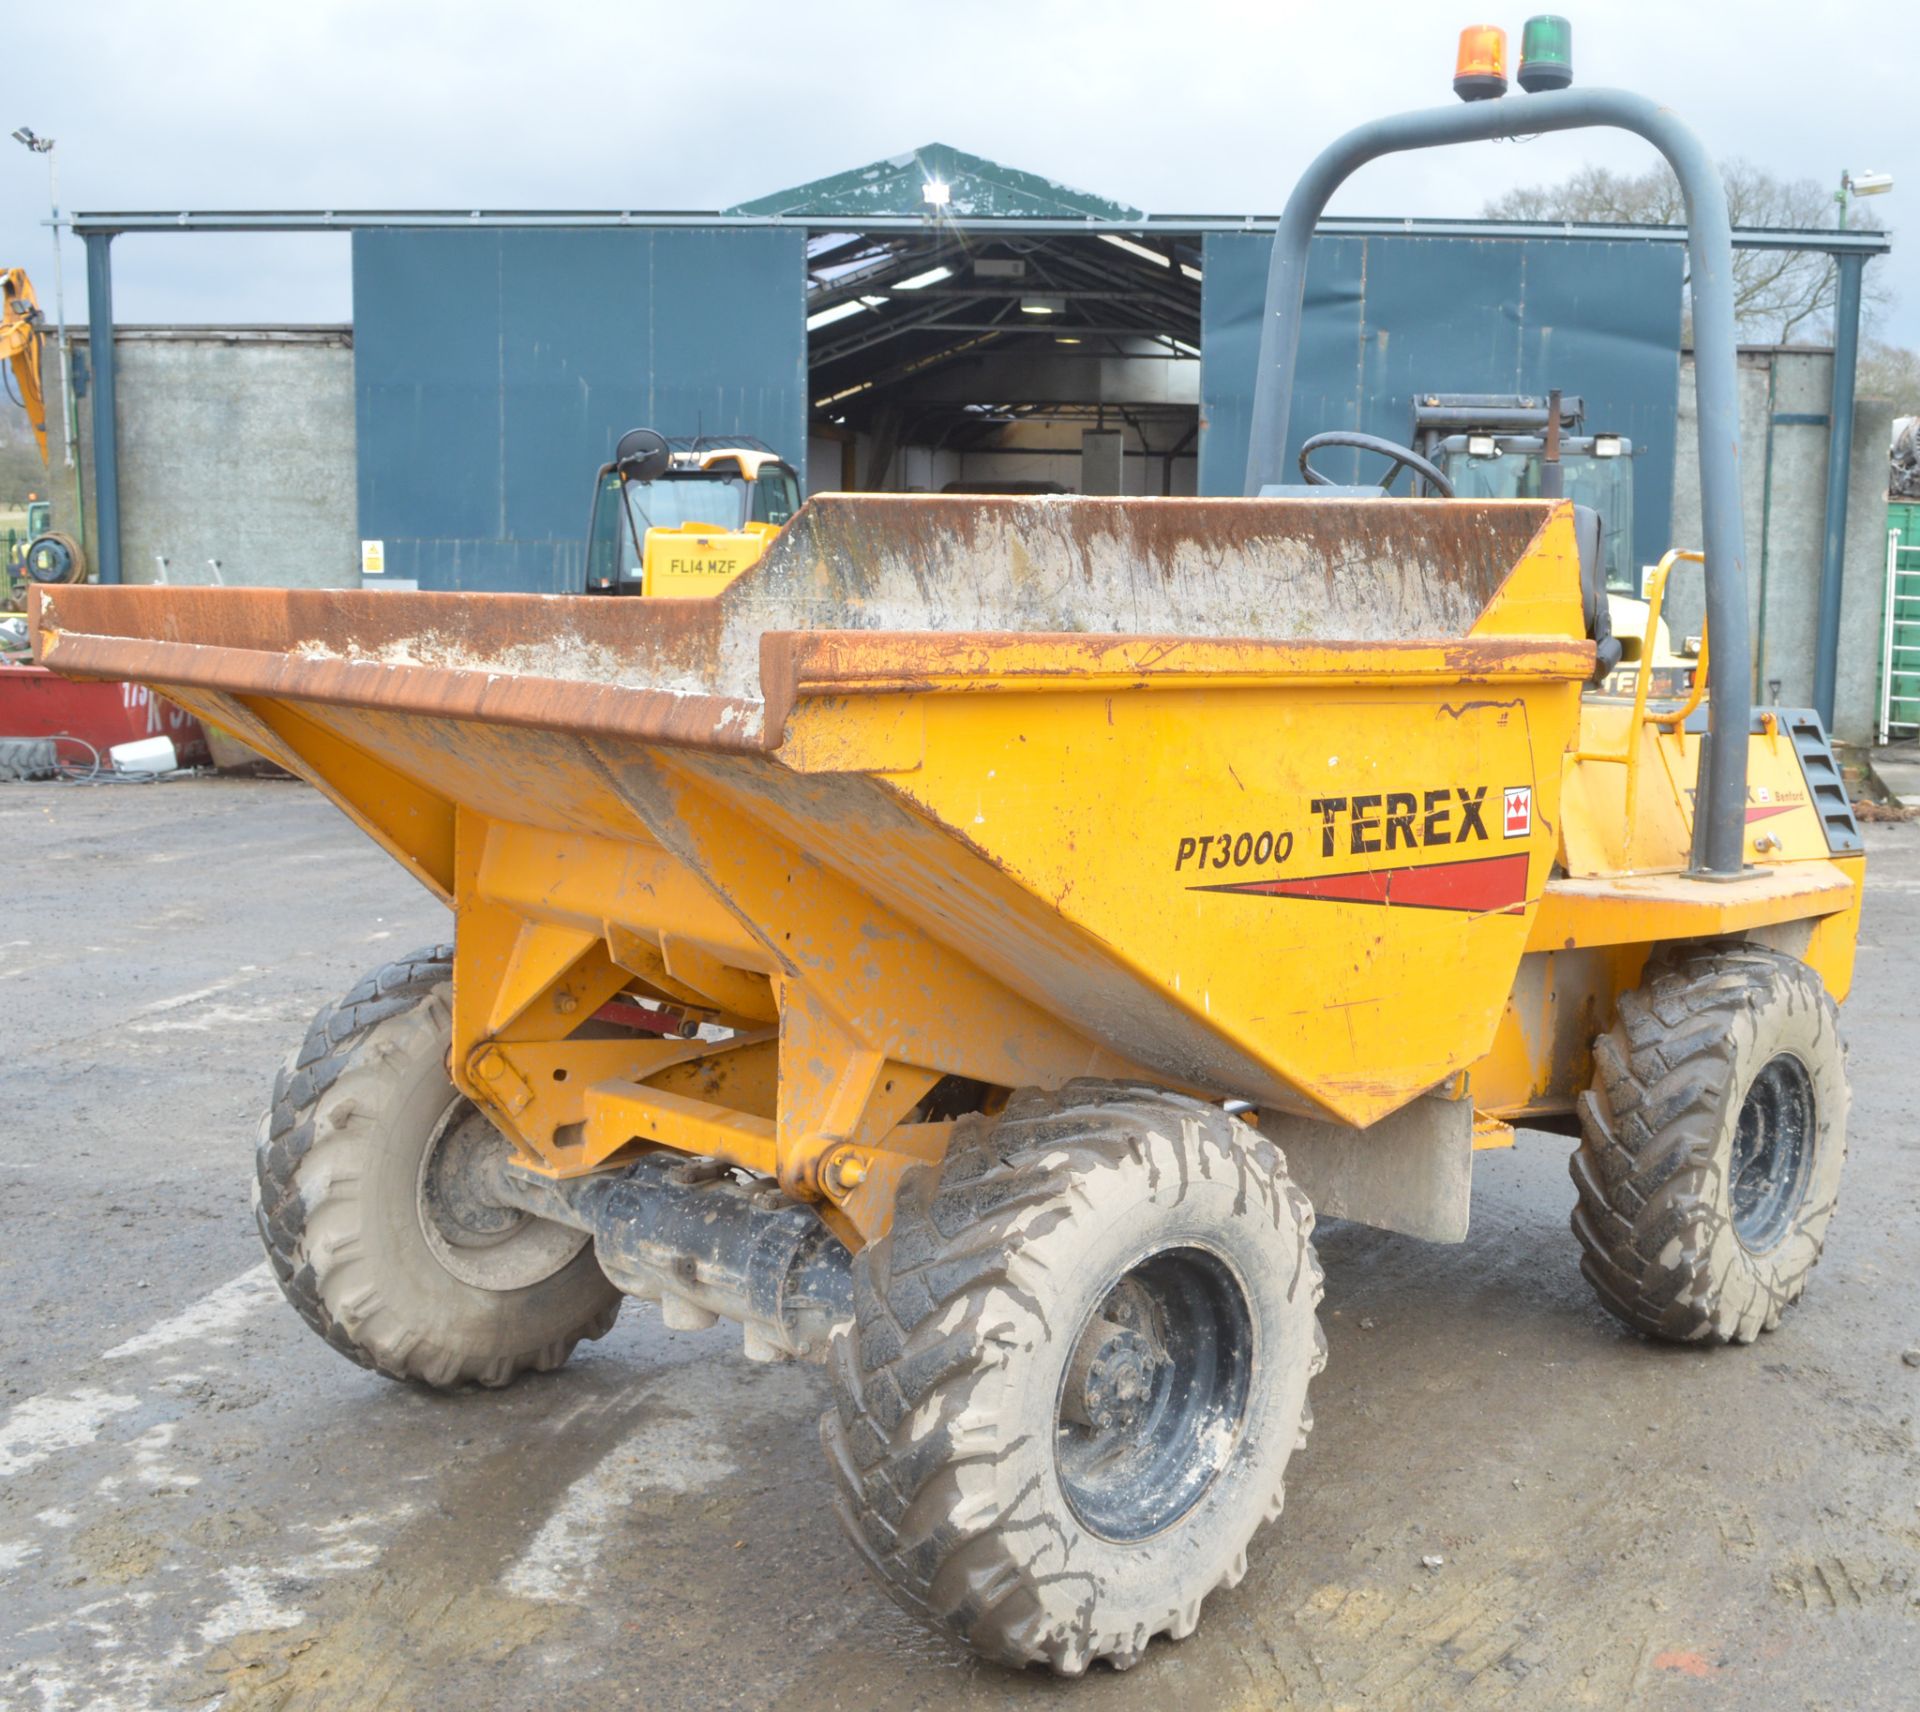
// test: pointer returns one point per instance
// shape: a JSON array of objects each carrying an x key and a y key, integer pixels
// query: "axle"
[{"x": 693, "y": 1236}]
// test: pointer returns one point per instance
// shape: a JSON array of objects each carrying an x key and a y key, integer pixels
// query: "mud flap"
[{"x": 1411, "y": 1172}]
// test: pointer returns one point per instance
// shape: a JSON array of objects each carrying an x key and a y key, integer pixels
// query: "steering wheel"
[{"x": 1404, "y": 458}]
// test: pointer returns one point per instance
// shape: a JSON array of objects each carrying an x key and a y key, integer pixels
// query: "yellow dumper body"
[{"x": 1290, "y": 802}]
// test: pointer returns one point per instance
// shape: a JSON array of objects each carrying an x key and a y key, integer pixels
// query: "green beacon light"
[{"x": 1546, "y": 53}]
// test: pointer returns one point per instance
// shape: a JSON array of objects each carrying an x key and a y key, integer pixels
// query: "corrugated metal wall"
[
  {"x": 493, "y": 371},
  {"x": 1389, "y": 317}
]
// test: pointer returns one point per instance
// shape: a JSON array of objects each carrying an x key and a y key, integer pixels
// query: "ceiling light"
[
  {"x": 1042, "y": 305},
  {"x": 1182, "y": 345},
  {"x": 1191, "y": 271},
  {"x": 1063, "y": 339},
  {"x": 1134, "y": 249},
  {"x": 933, "y": 276},
  {"x": 844, "y": 392},
  {"x": 839, "y": 312}
]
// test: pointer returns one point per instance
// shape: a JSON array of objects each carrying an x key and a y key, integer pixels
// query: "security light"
[
  {"x": 1606, "y": 445},
  {"x": 936, "y": 193},
  {"x": 1869, "y": 183},
  {"x": 1482, "y": 446},
  {"x": 44, "y": 145}
]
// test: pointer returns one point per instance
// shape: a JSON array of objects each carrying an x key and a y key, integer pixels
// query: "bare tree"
[
  {"x": 1891, "y": 372},
  {"x": 1779, "y": 295}
]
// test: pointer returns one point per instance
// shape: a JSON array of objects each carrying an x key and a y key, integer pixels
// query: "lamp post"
[{"x": 69, "y": 414}]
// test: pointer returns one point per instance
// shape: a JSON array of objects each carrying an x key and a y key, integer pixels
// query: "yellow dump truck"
[
  {"x": 971, "y": 948},
  {"x": 683, "y": 520}
]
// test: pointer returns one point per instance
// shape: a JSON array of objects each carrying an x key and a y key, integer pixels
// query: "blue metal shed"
[
  {"x": 494, "y": 369},
  {"x": 498, "y": 353},
  {"x": 1389, "y": 316}
]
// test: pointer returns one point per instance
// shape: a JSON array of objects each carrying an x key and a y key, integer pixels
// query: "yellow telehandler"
[
  {"x": 970, "y": 948},
  {"x": 682, "y": 521}
]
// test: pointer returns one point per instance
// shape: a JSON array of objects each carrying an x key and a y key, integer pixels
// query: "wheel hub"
[
  {"x": 473, "y": 1234},
  {"x": 1112, "y": 1384},
  {"x": 1772, "y": 1152},
  {"x": 1154, "y": 1394}
]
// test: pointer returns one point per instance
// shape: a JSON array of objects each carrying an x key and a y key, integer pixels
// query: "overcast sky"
[{"x": 1204, "y": 105}]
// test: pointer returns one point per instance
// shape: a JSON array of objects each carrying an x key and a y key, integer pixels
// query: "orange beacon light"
[{"x": 1480, "y": 72}]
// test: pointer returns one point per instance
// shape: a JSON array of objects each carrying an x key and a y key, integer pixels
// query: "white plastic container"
[{"x": 148, "y": 755}]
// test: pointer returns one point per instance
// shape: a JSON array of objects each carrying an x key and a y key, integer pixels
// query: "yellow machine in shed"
[
  {"x": 969, "y": 948},
  {"x": 682, "y": 521}
]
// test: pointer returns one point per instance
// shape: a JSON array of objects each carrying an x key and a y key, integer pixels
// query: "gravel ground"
[{"x": 201, "y": 1504}]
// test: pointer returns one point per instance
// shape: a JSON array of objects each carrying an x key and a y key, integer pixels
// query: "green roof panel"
[{"x": 977, "y": 189}]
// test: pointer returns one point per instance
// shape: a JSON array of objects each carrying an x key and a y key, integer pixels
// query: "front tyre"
[
  {"x": 364, "y": 1196},
  {"x": 1712, "y": 1142},
  {"x": 1076, "y": 1369}
]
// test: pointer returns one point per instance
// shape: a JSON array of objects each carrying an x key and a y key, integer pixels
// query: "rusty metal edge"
[
  {"x": 878, "y": 661},
  {"x": 792, "y": 664},
  {"x": 720, "y": 723}
]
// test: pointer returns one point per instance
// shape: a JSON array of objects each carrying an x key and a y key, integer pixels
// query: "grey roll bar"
[{"x": 1719, "y": 826}]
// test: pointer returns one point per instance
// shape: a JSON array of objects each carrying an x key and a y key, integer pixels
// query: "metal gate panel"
[
  {"x": 493, "y": 371},
  {"x": 1900, "y": 627},
  {"x": 1387, "y": 317}
]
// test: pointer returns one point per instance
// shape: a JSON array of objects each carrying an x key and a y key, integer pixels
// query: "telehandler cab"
[
  {"x": 969, "y": 950},
  {"x": 684, "y": 519}
]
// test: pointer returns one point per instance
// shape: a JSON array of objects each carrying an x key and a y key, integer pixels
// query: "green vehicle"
[{"x": 19, "y": 524}]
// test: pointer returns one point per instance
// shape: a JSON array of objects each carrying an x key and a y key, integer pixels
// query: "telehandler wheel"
[
  {"x": 1712, "y": 1144},
  {"x": 364, "y": 1195},
  {"x": 1076, "y": 1368}
]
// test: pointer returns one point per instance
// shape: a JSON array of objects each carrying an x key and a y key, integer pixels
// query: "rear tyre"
[
  {"x": 1076, "y": 1369},
  {"x": 364, "y": 1200},
  {"x": 1712, "y": 1143}
]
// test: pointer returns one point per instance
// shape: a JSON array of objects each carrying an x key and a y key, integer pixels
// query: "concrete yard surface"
[{"x": 1508, "y": 1501}]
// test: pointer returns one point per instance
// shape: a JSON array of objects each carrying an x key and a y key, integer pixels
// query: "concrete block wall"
[
  {"x": 236, "y": 445},
  {"x": 1785, "y": 520}
]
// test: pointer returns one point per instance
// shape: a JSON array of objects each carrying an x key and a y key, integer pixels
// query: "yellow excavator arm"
[{"x": 22, "y": 341}]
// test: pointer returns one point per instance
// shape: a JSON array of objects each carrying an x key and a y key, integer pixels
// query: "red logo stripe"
[
  {"x": 1769, "y": 811},
  {"x": 1487, "y": 883}
]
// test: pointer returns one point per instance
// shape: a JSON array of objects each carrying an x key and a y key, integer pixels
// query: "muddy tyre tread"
[
  {"x": 927, "y": 1302},
  {"x": 1651, "y": 1213},
  {"x": 353, "y": 1052}
]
